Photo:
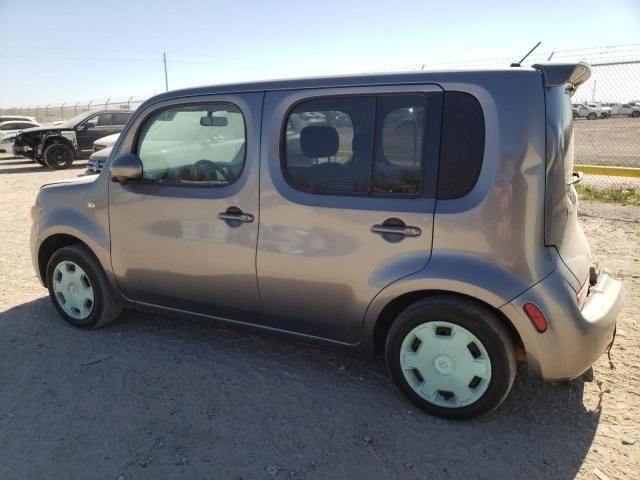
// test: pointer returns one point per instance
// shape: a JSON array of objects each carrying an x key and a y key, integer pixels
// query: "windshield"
[{"x": 75, "y": 120}]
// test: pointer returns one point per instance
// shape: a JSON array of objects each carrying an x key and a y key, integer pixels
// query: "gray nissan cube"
[{"x": 430, "y": 217}]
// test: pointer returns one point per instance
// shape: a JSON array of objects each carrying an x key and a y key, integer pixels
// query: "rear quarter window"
[
  {"x": 462, "y": 145},
  {"x": 122, "y": 118}
]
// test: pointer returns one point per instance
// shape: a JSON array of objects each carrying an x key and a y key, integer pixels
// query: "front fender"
[
  {"x": 80, "y": 225},
  {"x": 77, "y": 207}
]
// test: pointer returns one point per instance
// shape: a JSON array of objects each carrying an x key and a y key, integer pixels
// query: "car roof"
[
  {"x": 14, "y": 118},
  {"x": 3, "y": 122},
  {"x": 343, "y": 81},
  {"x": 117, "y": 110}
]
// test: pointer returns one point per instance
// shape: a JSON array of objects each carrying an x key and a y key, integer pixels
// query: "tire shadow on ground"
[{"x": 148, "y": 390}]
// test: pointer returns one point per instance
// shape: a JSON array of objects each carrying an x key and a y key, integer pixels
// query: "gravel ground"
[{"x": 160, "y": 398}]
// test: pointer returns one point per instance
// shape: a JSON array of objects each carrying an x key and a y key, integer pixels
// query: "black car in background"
[{"x": 57, "y": 146}]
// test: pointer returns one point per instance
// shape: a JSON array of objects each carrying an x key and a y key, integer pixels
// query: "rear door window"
[
  {"x": 400, "y": 130},
  {"x": 328, "y": 145}
]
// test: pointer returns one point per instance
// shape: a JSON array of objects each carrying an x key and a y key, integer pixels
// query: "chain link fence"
[
  {"x": 45, "y": 114},
  {"x": 606, "y": 111},
  {"x": 607, "y": 128}
]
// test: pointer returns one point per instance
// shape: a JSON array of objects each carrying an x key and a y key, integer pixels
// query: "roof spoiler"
[{"x": 559, "y": 74}]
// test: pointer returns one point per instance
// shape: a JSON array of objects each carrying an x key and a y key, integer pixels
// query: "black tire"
[
  {"x": 59, "y": 156},
  {"x": 635, "y": 114},
  {"x": 478, "y": 320},
  {"x": 592, "y": 116},
  {"x": 106, "y": 306}
]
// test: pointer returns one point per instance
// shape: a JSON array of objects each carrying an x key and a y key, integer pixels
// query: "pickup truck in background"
[
  {"x": 625, "y": 109},
  {"x": 590, "y": 111}
]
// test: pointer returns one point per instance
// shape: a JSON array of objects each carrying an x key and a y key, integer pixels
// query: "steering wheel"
[{"x": 206, "y": 170}]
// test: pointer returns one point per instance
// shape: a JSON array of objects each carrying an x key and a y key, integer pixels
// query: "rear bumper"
[{"x": 575, "y": 338}]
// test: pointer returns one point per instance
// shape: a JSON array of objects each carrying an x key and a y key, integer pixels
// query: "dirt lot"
[
  {"x": 610, "y": 141},
  {"x": 161, "y": 398}
]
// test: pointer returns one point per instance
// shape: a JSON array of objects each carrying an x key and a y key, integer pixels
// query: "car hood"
[
  {"x": 101, "y": 155},
  {"x": 109, "y": 140},
  {"x": 44, "y": 129}
]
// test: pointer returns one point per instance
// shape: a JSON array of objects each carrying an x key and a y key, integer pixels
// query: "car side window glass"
[
  {"x": 328, "y": 145},
  {"x": 92, "y": 122},
  {"x": 193, "y": 145},
  {"x": 122, "y": 118},
  {"x": 105, "y": 120},
  {"x": 400, "y": 131}
]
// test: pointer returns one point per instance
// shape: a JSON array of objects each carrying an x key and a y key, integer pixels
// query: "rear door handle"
[
  {"x": 404, "y": 230},
  {"x": 236, "y": 217}
]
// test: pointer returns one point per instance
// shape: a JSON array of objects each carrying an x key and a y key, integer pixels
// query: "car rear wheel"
[
  {"x": 451, "y": 357},
  {"x": 79, "y": 289},
  {"x": 58, "y": 156}
]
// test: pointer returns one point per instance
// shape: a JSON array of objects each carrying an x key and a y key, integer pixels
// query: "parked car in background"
[
  {"x": 8, "y": 131},
  {"x": 430, "y": 217},
  {"x": 605, "y": 109},
  {"x": 14, "y": 126},
  {"x": 101, "y": 151},
  {"x": 97, "y": 161},
  {"x": 6, "y": 143},
  {"x": 7, "y": 118},
  {"x": 589, "y": 111},
  {"x": 58, "y": 146},
  {"x": 625, "y": 109}
]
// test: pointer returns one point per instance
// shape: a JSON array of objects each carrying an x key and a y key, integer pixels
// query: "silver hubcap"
[
  {"x": 445, "y": 364},
  {"x": 73, "y": 290}
]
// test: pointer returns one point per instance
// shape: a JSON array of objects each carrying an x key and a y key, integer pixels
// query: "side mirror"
[{"x": 126, "y": 168}]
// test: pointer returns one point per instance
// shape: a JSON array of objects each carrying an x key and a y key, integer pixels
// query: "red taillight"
[{"x": 536, "y": 316}]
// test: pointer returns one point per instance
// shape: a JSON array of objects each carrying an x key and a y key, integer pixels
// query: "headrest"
[{"x": 319, "y": 141}]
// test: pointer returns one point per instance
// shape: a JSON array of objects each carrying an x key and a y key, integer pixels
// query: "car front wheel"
[
  {"x": 79, "y": 289},
  {"x": 451, "y": 357},
  {"x": 58, "y": 156}
]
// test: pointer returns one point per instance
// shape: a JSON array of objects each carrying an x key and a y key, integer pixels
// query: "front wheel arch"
[
  {"x": 50, "y": 246},
  {"x": 391, "y": 311},
  {"x": 57, "y": 139}
]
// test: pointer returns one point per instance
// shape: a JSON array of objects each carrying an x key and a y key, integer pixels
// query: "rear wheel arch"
[{"x": 396, "y": 306}]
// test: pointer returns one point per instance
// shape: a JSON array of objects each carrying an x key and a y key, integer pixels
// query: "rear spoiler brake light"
[{"x": 559, "y": 74}]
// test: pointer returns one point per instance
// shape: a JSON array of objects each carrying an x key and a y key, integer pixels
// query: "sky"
[{"x": 55, "y": 52}]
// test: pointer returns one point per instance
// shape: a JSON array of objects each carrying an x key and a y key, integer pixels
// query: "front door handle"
[
  {"x": 404, "y": 230},
  {"x": 236, "y": 217}
]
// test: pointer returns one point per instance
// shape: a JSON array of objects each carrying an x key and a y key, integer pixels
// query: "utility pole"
[{"x": 166, "y": 80}]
